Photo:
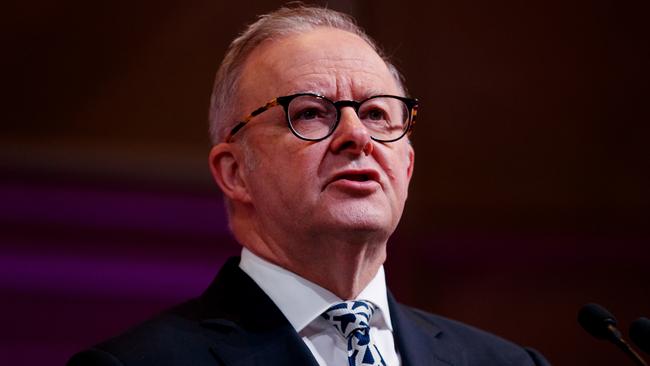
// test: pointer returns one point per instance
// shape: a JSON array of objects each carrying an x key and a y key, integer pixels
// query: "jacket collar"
[
  {"x": 419, "y": 340},
  {"x": 247, "y": 327}
]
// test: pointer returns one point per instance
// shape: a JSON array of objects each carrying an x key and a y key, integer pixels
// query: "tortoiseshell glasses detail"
[{"x": 313, "y": 117}]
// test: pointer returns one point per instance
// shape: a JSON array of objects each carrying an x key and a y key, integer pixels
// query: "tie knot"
[{"x": 350, "y": 316}]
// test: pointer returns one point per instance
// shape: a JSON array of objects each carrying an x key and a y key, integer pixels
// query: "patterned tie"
[{"x": 352, "y": 319}]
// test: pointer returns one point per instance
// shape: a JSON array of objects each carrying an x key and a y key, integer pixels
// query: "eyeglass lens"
[{"x": 312, "y": 117}]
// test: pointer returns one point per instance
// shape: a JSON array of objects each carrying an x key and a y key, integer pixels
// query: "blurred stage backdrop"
[{"x": 530, "y": 195}]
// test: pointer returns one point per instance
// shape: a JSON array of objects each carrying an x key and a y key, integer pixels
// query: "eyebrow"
[
  {"x": 365, "y": 95},
  {"x": 373, "y": 92}
]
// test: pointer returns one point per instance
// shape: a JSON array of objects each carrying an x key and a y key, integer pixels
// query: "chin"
[{"x": 360, "y": 219}]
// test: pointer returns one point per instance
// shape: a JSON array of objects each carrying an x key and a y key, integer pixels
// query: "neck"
[
  {"x": 337, "y": 263},
  {"x": 344, "y": 269}
]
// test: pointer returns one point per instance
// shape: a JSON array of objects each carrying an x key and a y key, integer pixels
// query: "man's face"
[{"x": 344, "y": 184}]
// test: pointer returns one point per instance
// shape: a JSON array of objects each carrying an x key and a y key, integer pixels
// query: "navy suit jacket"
[{"x": 234, "y": 323}]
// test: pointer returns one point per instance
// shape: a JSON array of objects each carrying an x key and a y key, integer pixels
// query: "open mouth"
[
  {"x": 355, "y": 177},
  {"x": 356, "y": 181},
  {"x": 360, "y": 176}
]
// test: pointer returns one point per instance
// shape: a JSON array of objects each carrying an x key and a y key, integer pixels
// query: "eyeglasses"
[{"x": 313, "y": 117}]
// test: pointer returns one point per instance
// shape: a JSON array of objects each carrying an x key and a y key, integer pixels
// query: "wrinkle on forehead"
[
  {"x": 335, "y": 63},
  {"x": 335, "y": 76},
  {"x": 334, "y": 86}
]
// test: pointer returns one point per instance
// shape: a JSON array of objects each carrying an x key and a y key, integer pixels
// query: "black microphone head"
[
  {"x": 640, "y": 334},
  {"x": 595, "y": 319}
]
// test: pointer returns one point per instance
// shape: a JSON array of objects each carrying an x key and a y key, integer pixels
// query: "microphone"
[
  {"x": 600, "y": 323},
  {"x": 640, "y": 334}
]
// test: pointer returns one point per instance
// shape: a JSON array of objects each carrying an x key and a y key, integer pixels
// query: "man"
[{"x": 310, "y": 126}]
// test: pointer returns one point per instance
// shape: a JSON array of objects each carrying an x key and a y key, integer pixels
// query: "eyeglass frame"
[{"x": 411, "y": 103}]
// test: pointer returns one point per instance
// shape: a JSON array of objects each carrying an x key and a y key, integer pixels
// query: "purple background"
[{"x": 529, "y": 199}]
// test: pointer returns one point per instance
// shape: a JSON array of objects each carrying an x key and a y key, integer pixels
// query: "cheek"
[
  {"x": 396, "y": 164},
  {"x": 398, "y": 174},
  {"x": 400, "y": 184},
  {"x": 289, "y": 165}
]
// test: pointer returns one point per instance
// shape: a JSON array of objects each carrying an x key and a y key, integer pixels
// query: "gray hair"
[{"x": 283, "y": 22}]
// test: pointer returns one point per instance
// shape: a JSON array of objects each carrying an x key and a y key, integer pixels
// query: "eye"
[
  {"x": 309, "y": 108},
  {"x": 307, "y": 114},
  {"x": 376, "y": 114}
]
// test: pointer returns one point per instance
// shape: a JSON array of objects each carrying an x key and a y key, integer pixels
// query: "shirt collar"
[{"x": 301, "y": 301}]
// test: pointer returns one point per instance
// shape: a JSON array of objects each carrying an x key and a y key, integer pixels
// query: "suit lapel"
[
  {"x": 246, "y": 326},
  {"x": 420, "y": 342}
]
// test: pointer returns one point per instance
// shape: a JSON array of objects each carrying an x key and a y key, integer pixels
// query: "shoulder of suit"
[
  {"x": 163, "y": 340},
  {"x": 480, "y": 344}
]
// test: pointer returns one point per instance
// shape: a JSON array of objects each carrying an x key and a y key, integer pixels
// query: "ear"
[{"x": 228, "y": 173}]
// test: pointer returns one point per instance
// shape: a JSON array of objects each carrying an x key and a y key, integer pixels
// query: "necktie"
[{"x": 352, "y": 320}]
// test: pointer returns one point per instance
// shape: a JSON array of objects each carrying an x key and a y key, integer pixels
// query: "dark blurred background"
[{"x": 530, "y": 194}]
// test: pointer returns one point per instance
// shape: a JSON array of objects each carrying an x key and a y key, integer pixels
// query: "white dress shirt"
[{"x": 302, "y": 302}]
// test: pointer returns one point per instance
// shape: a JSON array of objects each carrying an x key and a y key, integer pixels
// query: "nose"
[{"x": 351, "y": 136}]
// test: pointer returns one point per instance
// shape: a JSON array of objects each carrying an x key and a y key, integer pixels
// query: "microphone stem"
[
  {"x": 617, "y": 339},
  {"x": 630, "y": 352}
]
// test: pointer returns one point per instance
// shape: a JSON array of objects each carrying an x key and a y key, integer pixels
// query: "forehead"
[{"x": 328, "y": 61}]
